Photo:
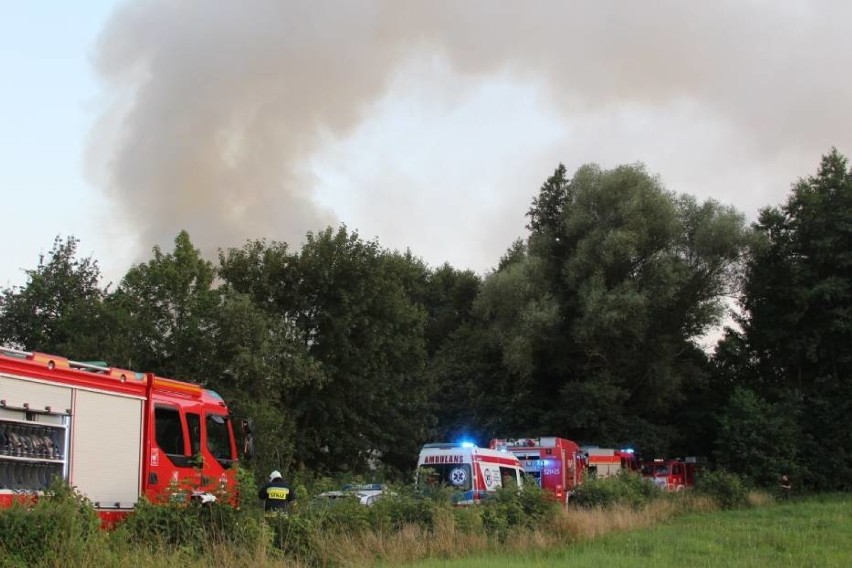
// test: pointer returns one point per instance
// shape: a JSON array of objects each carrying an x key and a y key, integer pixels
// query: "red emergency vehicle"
[
  {"x": 472, "y": 471},
  {"x": 671, "y": 474},
  {"x": 556, "y": 464},
  {"x": 606, "y": 462},
  {"x": 114, "y": 434}
]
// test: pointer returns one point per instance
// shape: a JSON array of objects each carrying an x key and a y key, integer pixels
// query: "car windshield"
[{"x": 360, "y": 487}]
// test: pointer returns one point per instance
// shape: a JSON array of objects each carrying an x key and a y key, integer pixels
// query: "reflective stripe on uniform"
[{"x": 278, "y": 493}]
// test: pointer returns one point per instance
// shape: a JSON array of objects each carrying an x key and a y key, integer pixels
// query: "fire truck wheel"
[{"x": 680, "y": 488}]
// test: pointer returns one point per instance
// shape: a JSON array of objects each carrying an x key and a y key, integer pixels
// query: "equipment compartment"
[{"x": 32, "y": 454}]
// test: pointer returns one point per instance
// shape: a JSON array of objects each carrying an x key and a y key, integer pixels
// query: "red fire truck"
[
  {"x": 671, "y": 474},
  {"x": 556, "y": 463},
  {"x": 606, "y": 462},
  {"x": 113, "y": 434}
]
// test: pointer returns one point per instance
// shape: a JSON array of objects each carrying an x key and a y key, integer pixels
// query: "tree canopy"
[
  {"x": 794, "y": 345},
  {"x": 597, "y": 321},
  {"x": 349, "y": 356}
]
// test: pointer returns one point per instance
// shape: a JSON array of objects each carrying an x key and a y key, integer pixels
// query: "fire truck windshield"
[
  {"x": 656, "y": 470},
  {"x": 219, "y": 439}
]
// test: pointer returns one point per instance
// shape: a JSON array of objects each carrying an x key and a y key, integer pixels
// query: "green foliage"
[
  {"x": 294, "y": 535},
  {"x": 467, "y": 520},
  {"x": 193, "y": 526},
  {"x": 505, "y": 511},
  {"x": 757, "y": 439},
  {"x": 403, "y": 508},
  {"x": 793, "y": 350},
  {"x": 167, "y": 306},
  {"x": 510, "y": 509},
  {"x": 60, "y": 308},
  {"x": 595, "y": 321},
  {"x": 315, "y": 520},
  {"x": 726, "y": 489},
  {"x": 351, "y": 305},
  {"x": 623, "y": 489},
  {"x": 810, "y": 533},
  {"x": 349, "y": 356},
  {"x": 59, "y": 528},
  {"x": 537, "y": 504}
]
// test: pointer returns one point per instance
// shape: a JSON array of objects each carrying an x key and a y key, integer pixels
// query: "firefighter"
[
  {"x": 276, "y": 494},
  {"x": 786, "y": 487}
]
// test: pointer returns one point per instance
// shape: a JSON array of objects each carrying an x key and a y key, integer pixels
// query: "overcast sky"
[{"x": 428, "y": 125}]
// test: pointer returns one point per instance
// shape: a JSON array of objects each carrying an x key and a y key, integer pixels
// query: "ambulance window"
[
  {"x": 456, "y": 476},
  {"x": 219, "y": 439},
  {"x": 509, "y": 476},
  {"x": 169, "y": 431},
  {"x": 193, "y": 422}
]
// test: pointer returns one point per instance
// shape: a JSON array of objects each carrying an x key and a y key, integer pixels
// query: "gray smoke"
[{"x": 215, "y": 109}]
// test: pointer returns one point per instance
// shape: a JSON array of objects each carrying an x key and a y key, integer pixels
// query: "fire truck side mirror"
[{"x": 247, "y": 427}]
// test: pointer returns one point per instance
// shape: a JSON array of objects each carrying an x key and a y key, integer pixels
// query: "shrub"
[
  {"x": 537, "y": 504},
  {"x": 625, "y": 488},
  {"x": 509, "y": 508},
  {"x": 726, "y": 489},
  {"x": 57, "y": 528},
  {"x": 294, "y": 534},
  {"x": 404, "y": 508},
  {"x": 467, "y": 520},
  {"x": 193, "y": 525}
]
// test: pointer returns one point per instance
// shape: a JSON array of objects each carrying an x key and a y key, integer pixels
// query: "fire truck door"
[{"x": 107, "y": 440}]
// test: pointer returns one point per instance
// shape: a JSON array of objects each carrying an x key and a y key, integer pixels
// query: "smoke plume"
[{"x": 215, "y": 110}]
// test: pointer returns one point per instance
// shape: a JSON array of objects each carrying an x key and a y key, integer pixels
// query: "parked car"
[{"x": 366, "y": 494}]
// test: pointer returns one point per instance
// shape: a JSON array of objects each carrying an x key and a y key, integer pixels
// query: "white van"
[{"x": 472, "y": 471}]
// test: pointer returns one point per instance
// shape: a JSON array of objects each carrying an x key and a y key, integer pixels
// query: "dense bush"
[
  {"x": 405, "y": 507},
  {"x": 193, "y": 525},
  {"x": 190, "y": 524},
  {"x": 625, "y": 488},
  {"x": 295, "y": 535},
  {"x": 64, "y": 528},
  {"x": 55, "y": 529},
  {"x": 496, "y": 516},
  {"x": 536, "y": 503},
  {"x": 726, "y": 489}
]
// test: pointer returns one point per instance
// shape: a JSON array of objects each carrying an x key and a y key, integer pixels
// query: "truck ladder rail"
[{"x": 51, "y": 361}]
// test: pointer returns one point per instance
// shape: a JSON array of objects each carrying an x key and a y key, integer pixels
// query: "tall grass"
[
  {"x": 401, "y": 529},
  {"x": 809, "y": 532}
]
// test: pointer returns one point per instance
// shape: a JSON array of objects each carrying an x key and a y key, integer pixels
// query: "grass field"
[
  {"x": 682, "y": 530},
  {"x": 816, "y": 532}
]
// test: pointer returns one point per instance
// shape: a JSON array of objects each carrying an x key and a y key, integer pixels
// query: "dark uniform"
[
  {"x": 276, "y": 494},
  {"x": 786, "y": 487}
]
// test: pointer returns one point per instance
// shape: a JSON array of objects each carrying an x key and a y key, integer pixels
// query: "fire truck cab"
[
  {"x": 472, "y": 471},
  {"x": 557, "y": 464},
  {"x": 114, "y": 434},
  {"x": 671, "y": 474}
]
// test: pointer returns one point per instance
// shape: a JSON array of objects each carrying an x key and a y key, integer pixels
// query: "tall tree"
[
  {"x": 797, "y": 331},
  {"x": 257, "y": 363},
  {"x": 448, "y": 299},
  {"x": 176, "y": 322},
  {"x": 597, "y": 322},
  {"x": 351, "y": 304},
  {"x": 59, "y": 309},
  {"x": 167, "y": 307}
]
